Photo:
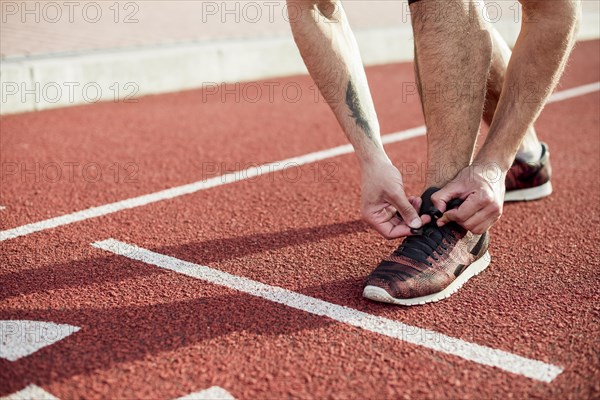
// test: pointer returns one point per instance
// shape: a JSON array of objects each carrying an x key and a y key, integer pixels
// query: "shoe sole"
[
  {"x": 528, "y": 194},
  {"x": 379, "y": 294}
]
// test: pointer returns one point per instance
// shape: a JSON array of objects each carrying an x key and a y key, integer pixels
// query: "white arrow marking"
[{"x": 20, "y": 338}]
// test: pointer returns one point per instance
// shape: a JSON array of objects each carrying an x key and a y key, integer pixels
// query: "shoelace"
[
  {"x": 426, "y": 244},
  {"x": 428, "y": 239}
]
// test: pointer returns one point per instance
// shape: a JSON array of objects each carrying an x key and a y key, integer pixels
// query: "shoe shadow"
[
  {"x": 217, "y": 250},
  {"x": 81, "y": 273}
]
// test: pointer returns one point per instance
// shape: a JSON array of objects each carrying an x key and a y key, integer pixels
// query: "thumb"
[
  {"x": 415, "y": 201},
  {"x": 441, "y": 198},
  {"x": 448, "y": 217},
  {"x": 407, "y": 211}
]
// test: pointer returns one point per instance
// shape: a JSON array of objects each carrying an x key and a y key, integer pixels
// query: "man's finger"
[
  {"x": 415, "y": 201},
  {"x": 483, "y": 220},
  {"x": 444, "y": 195},
  {"x": 461, "y": 214},
  {"x": 399, "y": 231},
  {"x": 390, "y": 231},
  {"x": 390, "y": 212},
  {"x": 396, "y": 220},
  {"x": 480, "y": 219},
  {"x": 484, "y": 227},
  {"x": 406, "y": 210},
  {"x": 425, "y": 219}
]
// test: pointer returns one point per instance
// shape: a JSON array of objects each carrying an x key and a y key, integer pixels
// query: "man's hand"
[
  {"x": 383, "y": 195},
  {"x": 482, "y": 189}
]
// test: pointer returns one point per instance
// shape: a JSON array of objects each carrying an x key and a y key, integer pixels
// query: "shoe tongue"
[{"x": 427, "y": 206}]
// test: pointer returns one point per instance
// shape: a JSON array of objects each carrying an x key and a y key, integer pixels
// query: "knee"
[{"x": 327, "y": 8}]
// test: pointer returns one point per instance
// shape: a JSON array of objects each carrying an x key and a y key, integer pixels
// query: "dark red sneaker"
[
  {"x": 529, "y": 181},
  {"x": 431, "y": 265}
]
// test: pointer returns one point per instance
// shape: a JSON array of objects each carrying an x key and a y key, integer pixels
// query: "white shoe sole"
[
  {"x": 378, "y": 294},
  {"x": 533, "y": 193}
]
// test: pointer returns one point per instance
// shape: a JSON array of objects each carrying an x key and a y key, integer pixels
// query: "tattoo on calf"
[{"x": 357, "y": 112}]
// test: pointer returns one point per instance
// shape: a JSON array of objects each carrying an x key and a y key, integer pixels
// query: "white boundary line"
[
  {"x": 212, "y": 393},
  {"x": 30, "y": 392},
  {"x": 418, "y": 336},
  {"x": 574, "y": 92},
  {"x": 34, "y": 392},
  {"x": 195, "y": 187},
  {"x": 237, "y": 176}
]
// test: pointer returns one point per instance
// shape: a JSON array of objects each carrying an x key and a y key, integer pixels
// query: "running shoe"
[
  {"x": 529, "y": 180},
  {"x": 430, "y": 265}
]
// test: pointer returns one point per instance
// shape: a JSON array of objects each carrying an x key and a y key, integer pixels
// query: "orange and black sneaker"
[
  {"x": 529, "y": 180},
  {"x": 430, "y": 265}
]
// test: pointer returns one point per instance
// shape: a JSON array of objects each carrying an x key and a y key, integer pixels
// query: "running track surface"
[{"x": 146, "y": 332}]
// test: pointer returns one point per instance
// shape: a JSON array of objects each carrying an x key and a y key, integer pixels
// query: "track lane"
[
  {"x": 483, "y": 355},
  {"x": 221, "y": 228},
  {"x": 269, "y": 226}
]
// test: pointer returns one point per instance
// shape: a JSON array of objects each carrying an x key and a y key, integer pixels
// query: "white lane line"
[
  {"x": 30, "y": 392},
  {"x": 34, "y": 392},
  {"x": 194, "y": 187},
  {"x": 423, "y": 337},
  {"x": 237, "y": 176},
  {"x": 20, "y": 338},
  {"x": 574, "y": 92},
  {"x": 212, "y": 393}
]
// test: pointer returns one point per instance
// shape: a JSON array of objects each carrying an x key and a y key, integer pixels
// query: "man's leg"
[
  {"x": 545, "y": 41},
  {"x": 531, "y": 148},
  {"x": 538, "y": 59},
  {"x": 453, "y": 53}
]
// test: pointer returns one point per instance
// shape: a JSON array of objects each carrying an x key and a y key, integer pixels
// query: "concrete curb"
[{"x": 44, "y": 82}]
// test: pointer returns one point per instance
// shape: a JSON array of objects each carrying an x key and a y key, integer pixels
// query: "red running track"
[{"x": 150, "y": 333}]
